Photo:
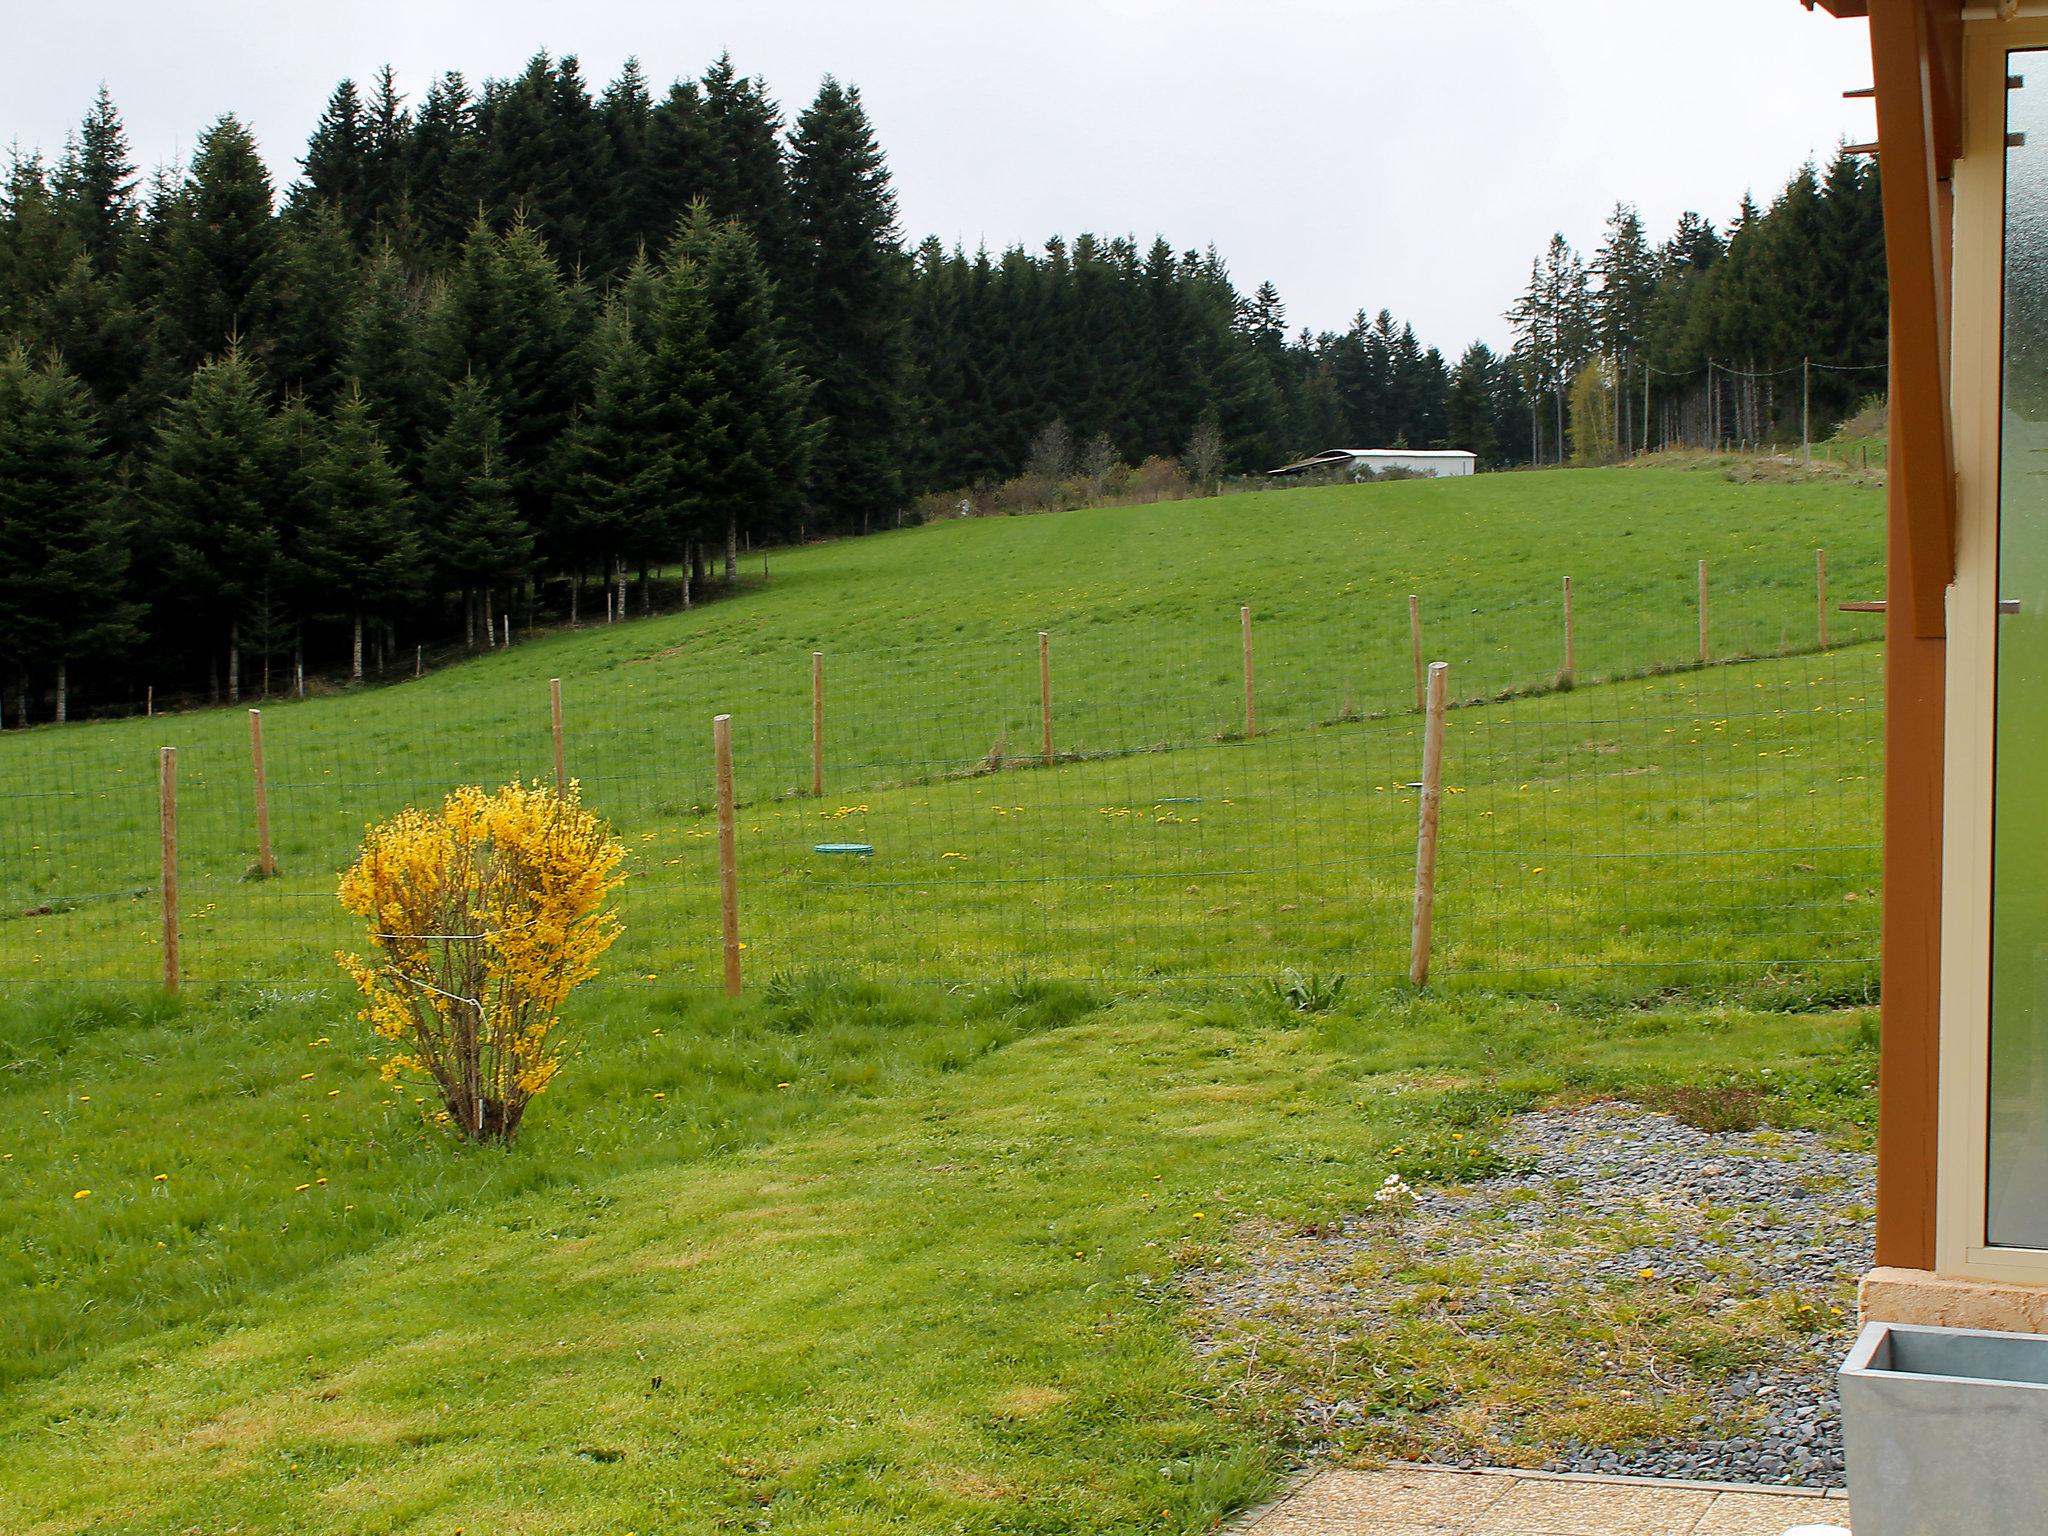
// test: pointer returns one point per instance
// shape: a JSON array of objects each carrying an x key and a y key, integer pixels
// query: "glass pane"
[{"x": 2018, "y": 1187}]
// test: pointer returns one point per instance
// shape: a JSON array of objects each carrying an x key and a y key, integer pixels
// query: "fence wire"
[{"x": 1645, "y": 821}]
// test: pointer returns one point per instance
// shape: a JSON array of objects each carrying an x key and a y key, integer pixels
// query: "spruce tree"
[
  {"x": 743, "y": 172},
  {"x": 220, "y": 284},
  {"x": 627, "y": 112},
  {"x": 854, "y": 321},
  {"x": 216, "y": 498},
  {"x": 444, "y": 165},
  {"x": 760, "y": 401},
  {"x": 318, "y": 281},
  {"x": 547, "y": 160},
  {"x": 385, "y": 355},
  {"x": 63, "y": 548},
  {"x": 88, "y": 319},
  {"x": 685, "y": 387},
  {"x": 96, "y": 184},
  {"x": 360, "y": 544},
  {"x": 1469, "y": 405},
  {"x": 37, "y": 243},
  {"x": 337, "y": 161},
  {"x": 507, "y": 316},
  {"x": 386, "y": 172},
  {"x": 475, "y": 540},
  {"x": 615, "y": 458}
]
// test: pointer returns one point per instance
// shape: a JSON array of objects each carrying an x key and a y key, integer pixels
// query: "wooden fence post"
[
  {"x": 1426, "y": 823},
  {"x": 167, "y": 824},
  {"x": 266, "y": 866},
  {"x": 1415, "y": 644},
  {"x": 817, "y": 722},
  {"x": 555, "y": 709},
  {"x": 1703, "y": 612},
  {"x": 1251, "y": 709},
  {"x": 1045, "y": 691},
  {"x": 1820, "y": 593},
  {"x": 728, "y": 852},
  {"x": 1570, "y": 657}
]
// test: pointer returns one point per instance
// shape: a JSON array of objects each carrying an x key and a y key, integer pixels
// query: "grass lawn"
[
  {"x": 932, "y": 1282},
  {"x": 854, "y": 1253}
]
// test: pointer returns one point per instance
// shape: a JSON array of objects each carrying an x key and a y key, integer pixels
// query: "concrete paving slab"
[{"x": 1433, "y": 1501}]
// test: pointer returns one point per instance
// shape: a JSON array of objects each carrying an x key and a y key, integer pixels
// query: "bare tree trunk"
[
  {"x": 299, "y": 668},
  {"x": 686, "y": 585},
  {"x": 21, "y": 697},
  {"x": 469, "y": 620},
  {"x": 356, "y": 660},
  {"x": 490, "y": 634},
  {"x": 619, "y": 586},
  {"x": 63, "y": 693},
  {"x": 732, "y": 548},
  {"x": 646, "y": 590},
  {"x": 575, "y": 599},
  {"x": 234, "y": 663}
]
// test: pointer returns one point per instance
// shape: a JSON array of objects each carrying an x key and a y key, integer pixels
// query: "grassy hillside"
[{"x": 930, "y": 638}]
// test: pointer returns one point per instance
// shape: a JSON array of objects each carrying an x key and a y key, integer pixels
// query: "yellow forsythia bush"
[{"x": 483, "y": 917}]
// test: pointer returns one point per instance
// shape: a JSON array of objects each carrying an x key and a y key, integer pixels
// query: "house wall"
[{"x": 1420, "y": 464}]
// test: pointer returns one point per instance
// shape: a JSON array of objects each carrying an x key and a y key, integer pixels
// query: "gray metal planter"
[{"x": 1946, "y": 1431}]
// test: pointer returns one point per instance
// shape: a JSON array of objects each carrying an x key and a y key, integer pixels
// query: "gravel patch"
[{"x": 1767, "y": 1230}]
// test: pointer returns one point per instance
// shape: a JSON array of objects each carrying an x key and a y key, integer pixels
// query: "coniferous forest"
[{"x": 531, "y": 348}]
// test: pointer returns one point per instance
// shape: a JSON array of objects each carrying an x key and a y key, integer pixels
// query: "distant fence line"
[{"x": 1288, "y": 803}]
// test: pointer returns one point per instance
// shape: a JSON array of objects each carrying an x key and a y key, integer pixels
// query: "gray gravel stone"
[{"x": 1734, "y": 1216}]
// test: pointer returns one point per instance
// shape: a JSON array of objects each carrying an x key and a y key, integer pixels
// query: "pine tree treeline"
[
  {"x": 514, "y": 348},
  {"x": 1707, "y": 340}
]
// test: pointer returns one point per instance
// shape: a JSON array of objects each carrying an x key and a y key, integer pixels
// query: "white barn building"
[{"x": 1356, "y": 462}]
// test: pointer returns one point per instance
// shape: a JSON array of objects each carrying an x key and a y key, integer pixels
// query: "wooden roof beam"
[{"x": 1915, "y": 92}]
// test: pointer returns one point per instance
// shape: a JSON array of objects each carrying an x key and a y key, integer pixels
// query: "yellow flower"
[
  {"x": 81, "y": 1194},
  {"x": 161, "y": 1177}
]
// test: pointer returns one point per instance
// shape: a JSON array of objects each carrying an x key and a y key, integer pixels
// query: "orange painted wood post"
[
  {"x": 167, "y": 824},
  {"x": 1426, "y": 823},
  {"x": 1251, "y": 708},
  {"x": 1045, "y": 691},
  {"x": 555, "y": 709},
  {"x": 1703, "y": 611},
  {"x": 728, "y": 852},
  {"x": 1570, "y": 657},
  {"x": 266, "y": 866},
  {"x": 1820, "y": 593},
  {"x": 817, "y": 724},
  {"x": 1415, "y": 644}
]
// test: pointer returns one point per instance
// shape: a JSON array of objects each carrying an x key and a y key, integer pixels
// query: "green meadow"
[
  {"x": 1162, "y": 842},
  {"x": 855, "y": 1251}
]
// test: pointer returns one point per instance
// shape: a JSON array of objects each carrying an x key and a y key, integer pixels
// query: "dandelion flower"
[
  {"x": 160, "y": 1178},
  {"x": 300, "y": 1189},
  {"x": 80, "y": 1194}
]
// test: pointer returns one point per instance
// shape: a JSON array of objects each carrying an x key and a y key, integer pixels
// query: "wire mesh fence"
[{"x": 1639, "y": 788}]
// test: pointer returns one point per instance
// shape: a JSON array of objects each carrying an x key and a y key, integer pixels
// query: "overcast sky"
[{"x": 1412, "y": 154}]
